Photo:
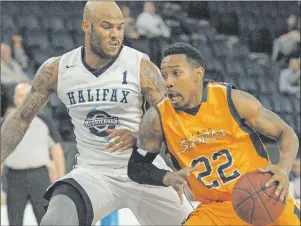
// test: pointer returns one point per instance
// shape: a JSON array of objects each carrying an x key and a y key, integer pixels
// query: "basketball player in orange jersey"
[{"x": 210, "y": 131}]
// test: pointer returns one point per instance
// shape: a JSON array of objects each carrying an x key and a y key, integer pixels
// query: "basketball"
[{"x": 253, "y": 202}]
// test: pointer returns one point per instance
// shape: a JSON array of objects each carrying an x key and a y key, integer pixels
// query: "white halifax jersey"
[{"x": 109, "y": 98}]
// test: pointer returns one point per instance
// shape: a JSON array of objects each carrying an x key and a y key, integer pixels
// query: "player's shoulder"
[
  {"x": 73, "y": 55},
  {"x": 165, "y": 100},
  {"x": 217, "y": 84},
  {"x": 52, "y": 62},
  {"x": 164, "y": 106},
  {"x": 71, "y": 59},
  {"x": 130, "y": 50}
]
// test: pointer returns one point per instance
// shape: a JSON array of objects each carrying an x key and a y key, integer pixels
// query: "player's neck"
[
  {"x": 196, "y": 100},
  {"x": 95, "y": 61}
]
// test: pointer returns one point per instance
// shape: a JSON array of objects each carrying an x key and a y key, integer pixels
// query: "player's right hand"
[
  {"x": 120, "y": 139},
  {"x": 178, "y": 181}
]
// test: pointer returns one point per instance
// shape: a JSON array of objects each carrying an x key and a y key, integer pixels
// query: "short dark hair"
[{"x": 193, "y": 55}]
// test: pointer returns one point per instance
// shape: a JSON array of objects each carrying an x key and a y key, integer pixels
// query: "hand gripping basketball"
[
  {"x": 178, "y": 180},
  {"x": 281, "y": 176}
]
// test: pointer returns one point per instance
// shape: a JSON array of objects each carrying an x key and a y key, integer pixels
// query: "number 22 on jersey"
[{"x": 207, "y": 173}]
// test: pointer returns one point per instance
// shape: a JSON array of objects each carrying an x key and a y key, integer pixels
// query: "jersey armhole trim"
[
  {"x": 161, "y": 123},
  {"x": 234, "y": 112},
  {"x": 231, "y": 105}
]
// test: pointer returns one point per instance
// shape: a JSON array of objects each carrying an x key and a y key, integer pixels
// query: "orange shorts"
[{"x": 222, "y": 213}]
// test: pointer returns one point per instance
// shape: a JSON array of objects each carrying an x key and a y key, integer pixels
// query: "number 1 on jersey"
[{"x": 124, "y": 78}]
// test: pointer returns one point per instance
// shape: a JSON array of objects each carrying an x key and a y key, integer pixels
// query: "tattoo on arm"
[
  {"x": 42, "y": 89},
  {"x": 268, "y": 124},
  {"x": 16, "y": 125},
  {"x": 261, "y": 119},
  {"x": 150, "y": 133},
  {"x": 152, "y": 86}
]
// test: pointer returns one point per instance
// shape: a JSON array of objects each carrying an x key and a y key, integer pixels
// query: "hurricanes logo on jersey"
[{"x": 98, "y": 121}]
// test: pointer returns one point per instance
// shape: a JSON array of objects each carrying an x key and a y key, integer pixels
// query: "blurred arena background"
[{"x": 253, "y": 45}]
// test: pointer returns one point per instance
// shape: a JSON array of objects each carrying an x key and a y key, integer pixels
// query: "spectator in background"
[
  {"x": 19, "y": 53},
  {"x": 130, "y": 24},
  {"x": 291, "y": 23},
  {"x": 27, "y": 176},
  {"x": 151, "y": 25},
  {"x": 12, "y": 70},
  {"x": 287, "y": 45},
  {"x": 295, "y": 180},
  {"x": 289, "y": 81}
]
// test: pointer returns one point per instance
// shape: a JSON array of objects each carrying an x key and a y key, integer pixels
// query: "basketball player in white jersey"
[{"x": 102, "y": 84}]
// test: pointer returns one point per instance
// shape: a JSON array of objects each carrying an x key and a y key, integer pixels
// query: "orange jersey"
[{"x": 217, "y": 138}]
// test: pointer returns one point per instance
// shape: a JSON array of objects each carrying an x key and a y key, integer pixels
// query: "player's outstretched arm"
[
  {"x": 269, "y": 124},
  {"x": 16, "y": 125},
  {"x": 151, "y": 82}
]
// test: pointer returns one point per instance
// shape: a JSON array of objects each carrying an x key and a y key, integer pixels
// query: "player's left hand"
[
  {"x": 121, "y": 139},
  {"x": 280, "y": 175}
]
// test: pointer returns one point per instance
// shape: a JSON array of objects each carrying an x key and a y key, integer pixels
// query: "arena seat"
[
  {"x": 7, "y": 22},
  {"x": 247, "y": 84},
  {"x": 260, "y": 40},
  {"x": 38, "y": 40},
  {"x": 11, "y": 8},
  {"x": 181, "y": 38},
  {"x": 227, "y": 23},
  {"x": 231, "y": 80},
  {"x": 28, "y": 22},
  {"x": 53, "y": 24},
  {"x": 220, "y": 49},
  {"x": 74, "y": 24},
  {"x": 198, "y": 9},
  {"x": 240, "y": 51},
  {"x": 54, "y": 8},
  {"x": 215, "y": 76},
  {"x": 217, "y": 65},
  {"x": 208, "y": 31},
  {"x": 282, "y": 105},
  {"x": 267, "y": 86},
  {"x": 78, "y": 38},
  {"x": 6, "y": 34},
  {"x": 234, "y": 67},
  {"x": 142, "y": 45},
  {"x": 39, "y": 57},
  {"x": 296, "y": 104},
  {"x": 205, "y": 50},
  {"x": 266, "y": 101},
  {"x": 31, "y": 8},
  {"x": 62, "y": 40}
]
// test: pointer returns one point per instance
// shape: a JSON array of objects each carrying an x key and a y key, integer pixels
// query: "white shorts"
[{"x": 111, "y": 189}]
